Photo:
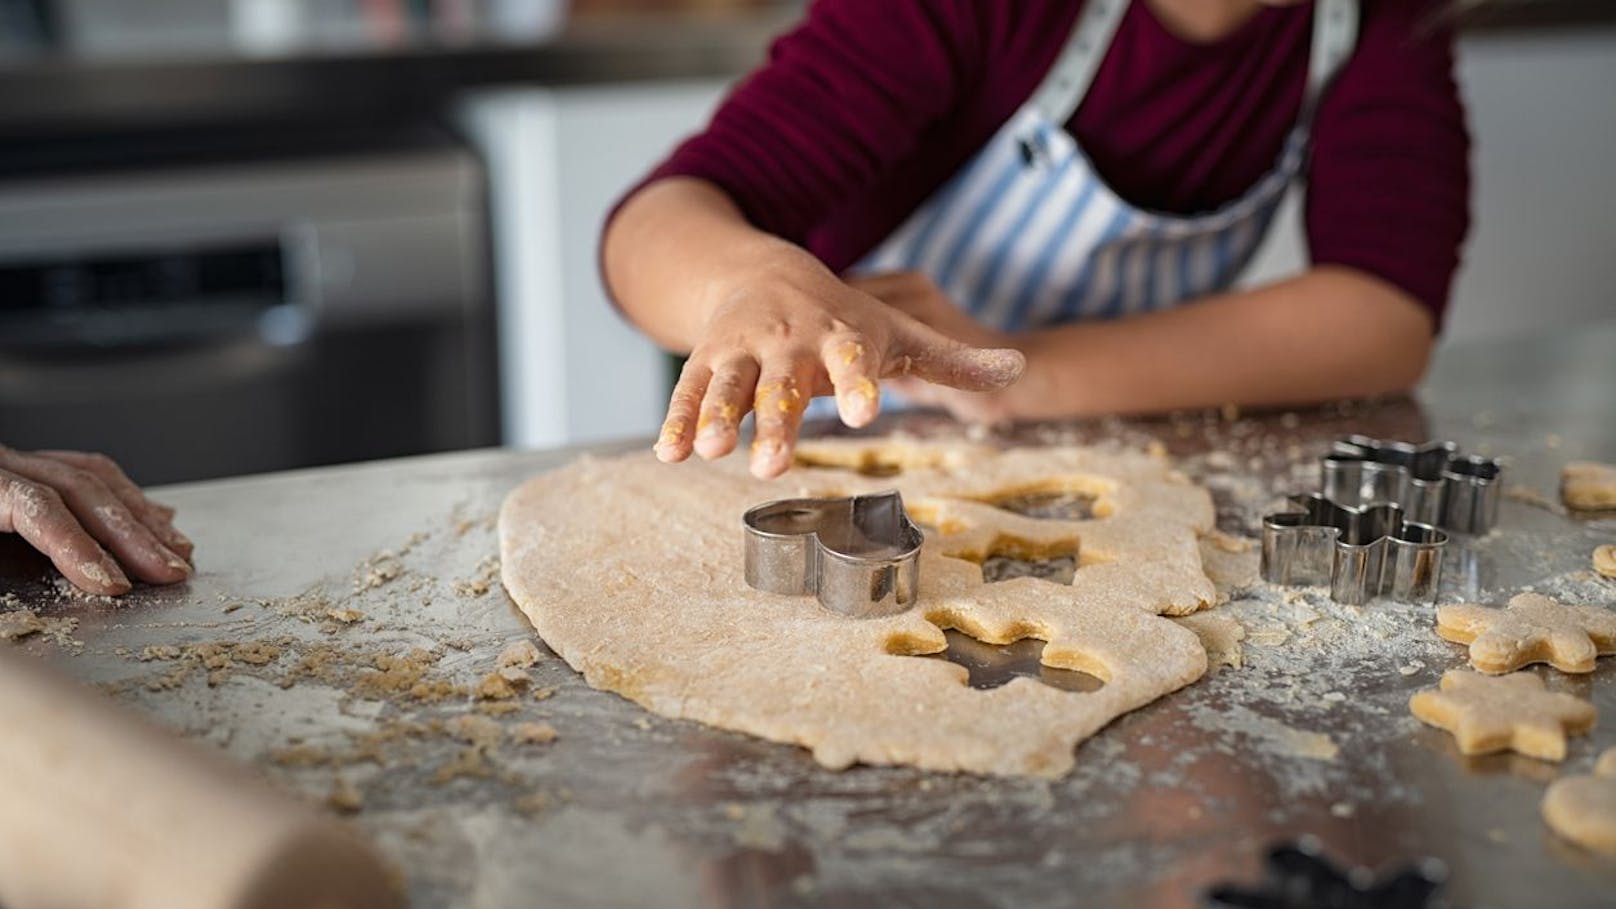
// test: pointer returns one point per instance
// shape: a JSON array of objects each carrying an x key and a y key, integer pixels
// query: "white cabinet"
[{"x": 571, "y": 370}]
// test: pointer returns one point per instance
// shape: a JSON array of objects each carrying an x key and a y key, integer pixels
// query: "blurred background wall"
[{"x": 258, "y": 234}]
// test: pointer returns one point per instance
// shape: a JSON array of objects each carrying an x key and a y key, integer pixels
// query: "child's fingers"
[
  {"x": 853, "y": 367},
  {"x": 729, "y": 397},
  {"x": 37, "y": 513},
  {"x": 935, "y": 357},
  {"x": 674, "y": 442},
  {"x": 782, "y": 395}
]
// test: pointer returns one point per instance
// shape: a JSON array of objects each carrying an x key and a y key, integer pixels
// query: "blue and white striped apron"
[{"x": 1028, "y": 235}]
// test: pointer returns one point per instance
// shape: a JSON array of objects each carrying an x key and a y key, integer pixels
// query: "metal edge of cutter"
[
  {"x": 1359, "y": 553},
  {"x": 858, "y": 555},
  {"x": 1433, "y": 483}
]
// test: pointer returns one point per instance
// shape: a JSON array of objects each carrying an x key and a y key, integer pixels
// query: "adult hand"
[
  {"x": 918, "y": 297},
  {"x": 786, "y": 330},
  {"x": 90, "y": 519}
]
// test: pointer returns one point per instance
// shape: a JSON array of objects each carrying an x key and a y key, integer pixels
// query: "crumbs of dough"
[
  {"x": 533, "y": 733},
  {"x": 345, "y": 797},
  {"x": 22, "y": 623},
  {"x": 483, "y": 578},
  {"x": 522, "y": 654},
  {"x": 19, "y": 624}
]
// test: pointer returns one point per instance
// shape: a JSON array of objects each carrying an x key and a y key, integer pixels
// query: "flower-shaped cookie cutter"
[
  {"x": 860, "y": 555},
  {"x": 1433, "y": 483},
  {"x": 1360, "y": 553},
  {"x": 1298, "y": 875}
]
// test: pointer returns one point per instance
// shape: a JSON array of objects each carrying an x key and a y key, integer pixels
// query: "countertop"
[{"x": 372, "y": 590}]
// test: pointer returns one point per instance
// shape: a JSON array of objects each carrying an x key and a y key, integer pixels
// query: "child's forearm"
[
  {"x": 1332, "y": 332},
  {"x": 670, "y": 251}
]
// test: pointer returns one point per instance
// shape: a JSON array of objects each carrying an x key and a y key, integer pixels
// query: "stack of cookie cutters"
[
  {"x": 1433, "y": 483},
  {"x": 860, "y": 556},
  {"x": 1382, "y": 523}
]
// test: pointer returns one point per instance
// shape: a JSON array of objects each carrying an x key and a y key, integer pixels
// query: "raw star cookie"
[
  {"x": 632, "y": 571},
  {"x": 1605, "y": 561},
  {"x": 1588, "y": 486},
  {"x": 1531, "y": 629},
  {"x": 1582, "y": 808},
  {"x": 1503, "y": 713}
]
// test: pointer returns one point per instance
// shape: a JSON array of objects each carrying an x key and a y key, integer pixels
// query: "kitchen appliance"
[{"x": 232, "y": 317}]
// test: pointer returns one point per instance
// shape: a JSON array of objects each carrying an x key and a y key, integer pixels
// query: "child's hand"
[
  {"x": 91, "y": 520},
  {"x": 919, "y": 297},
  {"x": 787, "y": 330}
]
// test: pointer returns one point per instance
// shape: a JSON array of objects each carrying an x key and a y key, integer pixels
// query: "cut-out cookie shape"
[
  {"x": 1588, "y": 486},
  {"x": 1605, "y": 561},
  {"x": 632, "y": 571},
  {"x": 1503, "y": 713},
  {"x": 1582, "y": 808},
  {"x": 1531, "y": 629}
]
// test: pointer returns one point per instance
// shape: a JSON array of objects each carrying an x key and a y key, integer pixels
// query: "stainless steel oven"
[{"x": 226, "y": 318}]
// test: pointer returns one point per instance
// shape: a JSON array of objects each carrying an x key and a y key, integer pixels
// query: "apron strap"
[
  {"x": 1063, "y": 88},
  {"x": 1335, "y": 34}
]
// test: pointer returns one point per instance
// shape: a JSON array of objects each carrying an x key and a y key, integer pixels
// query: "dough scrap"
[
  {"x": 1582, "y": 808},
  {"x": 20, "y": 623},
  {"x": 1531, "y": 629},
  {"x": 1503, "y": 713},
  {"x": 1219, "y": 634},
  {"x": 1588, "y": 486},
  {"x": 1605, "y": 561},
  {"x": 631, "y": 571}
]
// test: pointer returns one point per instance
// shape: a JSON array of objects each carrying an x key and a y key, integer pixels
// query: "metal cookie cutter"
[
  {"x": 860, "y": 556},
  {"x": 1361, "y": 553},
  {"x": 1433, "y": 482}
]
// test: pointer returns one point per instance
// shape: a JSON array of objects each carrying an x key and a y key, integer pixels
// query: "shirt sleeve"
[
  {"x": 1389, "y": 183},
  {"x": 843, "y": 98}
]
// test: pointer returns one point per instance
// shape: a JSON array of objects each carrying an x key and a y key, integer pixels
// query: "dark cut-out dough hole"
[
  {"x": 1050, "y": 505},
  {"x": 993, "y": 665},
  {"x": 1057, "y": 570},
  {"x": 869, "y": 464}
]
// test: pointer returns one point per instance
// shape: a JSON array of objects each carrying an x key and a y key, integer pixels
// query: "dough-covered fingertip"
[
  {"x": 859, "y": 404},
  {"x": 770, "y": 458},
  {"x": 998, "y": 367},
  {"x": 103, "y": 577}
]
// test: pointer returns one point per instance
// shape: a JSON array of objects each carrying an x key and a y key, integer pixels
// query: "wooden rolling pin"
[{"x": 99, "y": 808}]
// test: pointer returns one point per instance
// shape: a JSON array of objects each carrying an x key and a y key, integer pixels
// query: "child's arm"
[
  {"x": 1332, "y": 332},
  {"x": 767, "y": 326}
]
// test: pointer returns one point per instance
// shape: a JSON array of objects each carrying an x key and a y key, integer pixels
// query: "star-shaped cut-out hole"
[
  {"x": 869, "y": 462},
  {"x": 1050, "y": 504},
  {"x": 993, "y": 665},
  {"x": 1009, "y": 557},
  {"x": 1056, "y": 570}
]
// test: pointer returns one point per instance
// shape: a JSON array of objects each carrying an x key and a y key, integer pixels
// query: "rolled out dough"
[{"x": 631, "y": 570}]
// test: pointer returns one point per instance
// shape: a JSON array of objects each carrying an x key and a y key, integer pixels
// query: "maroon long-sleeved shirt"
[{"x": 868, "y": 106}]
